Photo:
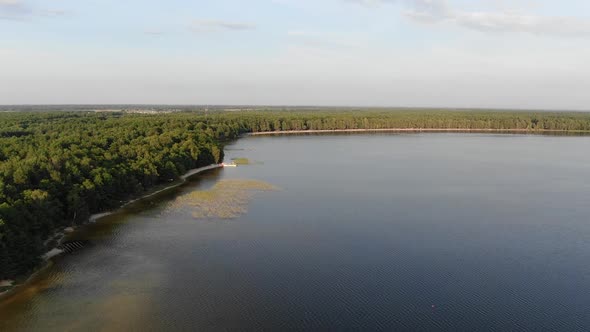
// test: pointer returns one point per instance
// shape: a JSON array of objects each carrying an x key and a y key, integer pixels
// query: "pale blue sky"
[{"x": 454, "y": 53}]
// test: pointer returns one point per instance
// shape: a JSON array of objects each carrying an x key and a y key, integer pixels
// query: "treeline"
[
  {"x": 265, "y": 121},
  {"x": 58, "y": 168}
]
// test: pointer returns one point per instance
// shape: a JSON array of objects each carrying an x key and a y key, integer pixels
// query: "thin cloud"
[
  {"x": 13, "y": 9},
  {"x": 19, "y": 10},
  {"x": 11, "y": 3},
  {"x": 439, "y": 11},
  {"x": 217, "y": 25},
  {"x": 506, "y": 22},
  {"x": 52, "y": 13}
]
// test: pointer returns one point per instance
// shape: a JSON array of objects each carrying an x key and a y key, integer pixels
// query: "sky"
[{"x": 523, "y": 54}]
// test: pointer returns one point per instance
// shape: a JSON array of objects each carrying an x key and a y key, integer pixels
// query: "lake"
[{"x": 432, "y": 231}]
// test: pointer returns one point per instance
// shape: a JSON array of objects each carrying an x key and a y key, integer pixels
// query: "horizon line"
[{"x": 258, "y": 106}]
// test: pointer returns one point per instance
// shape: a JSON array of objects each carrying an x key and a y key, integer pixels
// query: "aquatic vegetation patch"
[
  {"x": 245, "y": 161},
  {"x": 241, "y": 161},
  {"x": 227, "y": 199}
]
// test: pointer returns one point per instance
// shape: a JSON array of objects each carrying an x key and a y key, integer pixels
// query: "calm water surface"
[{"x": 373, "y": 232}]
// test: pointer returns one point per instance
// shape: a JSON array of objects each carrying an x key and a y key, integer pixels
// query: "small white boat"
[{"x": 229, "y": 165}]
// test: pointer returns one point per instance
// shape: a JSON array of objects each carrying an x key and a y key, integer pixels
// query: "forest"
[{"x": 58, "y": 168}]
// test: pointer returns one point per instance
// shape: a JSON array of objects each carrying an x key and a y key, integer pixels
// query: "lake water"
[{"x": 367, "y": 232}]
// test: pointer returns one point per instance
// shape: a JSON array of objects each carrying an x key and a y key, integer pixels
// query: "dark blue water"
[{"x": 368, "y": 232}]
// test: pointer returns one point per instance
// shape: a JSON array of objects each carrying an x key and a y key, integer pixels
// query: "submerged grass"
[
  {"x": 245, "y": 161},
  {"x": 241, "y": 161},
  {"x": 227, "y": 199}
]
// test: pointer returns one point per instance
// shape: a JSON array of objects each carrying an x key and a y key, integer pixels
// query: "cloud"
[
  {"x": 506, "y": 22},
  {"x": 439, "y": 11},
  {"x": 217, "y": 25},
  {"x": 13, "y": 9},
  {"x": 8, "y": 3},
  {"x": 19, "y": 10},
  {"x": 52, "y": 12}
]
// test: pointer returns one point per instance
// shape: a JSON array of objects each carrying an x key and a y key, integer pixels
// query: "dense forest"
[
  {"x": 57, "y": 168},
  {"x": 263, "y": 121}
]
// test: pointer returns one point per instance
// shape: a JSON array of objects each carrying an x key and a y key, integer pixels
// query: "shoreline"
[
  {"x": 417, "y": 130},
  {"x": 31, "y": 277},
  {"x": 54, "y": 252},
  {"x": 181, "y": 180}
]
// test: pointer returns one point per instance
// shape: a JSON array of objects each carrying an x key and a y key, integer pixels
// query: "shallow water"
[{"x": 372, "y": 232}]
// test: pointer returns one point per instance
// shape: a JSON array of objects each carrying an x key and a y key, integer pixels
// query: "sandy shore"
[
  {"x": 94, "y": 218},
  {"x": 97, "y": 216},
  {"x": 199, "y": 170},
  {"x": 6, "y": 283},
  {"x": 15, "y": 287},
  {"x": 313, "y": 131}
]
